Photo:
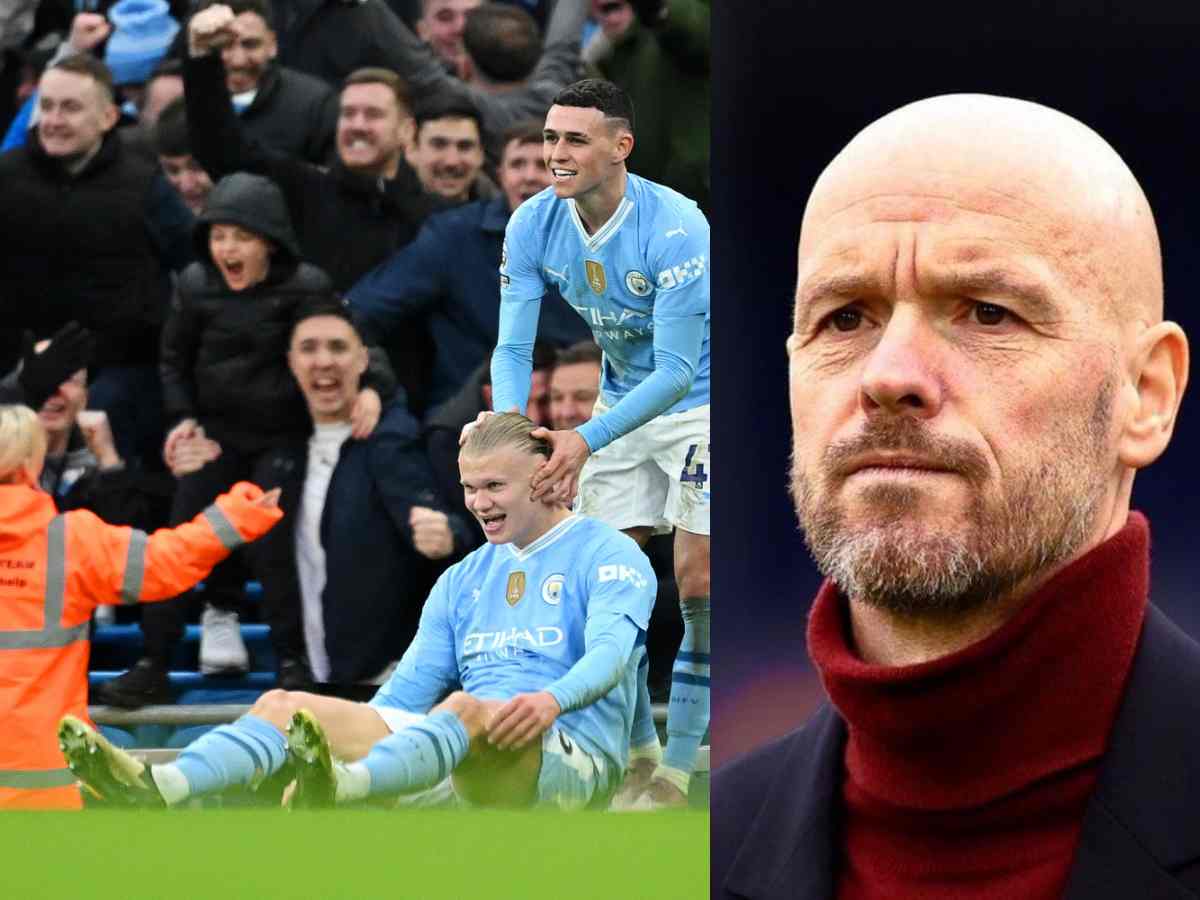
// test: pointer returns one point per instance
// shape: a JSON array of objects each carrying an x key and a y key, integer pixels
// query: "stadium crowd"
[{"x": 180, "y": 181}]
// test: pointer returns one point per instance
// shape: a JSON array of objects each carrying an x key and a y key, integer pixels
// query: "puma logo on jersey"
[{"x": 675, "y": 231}]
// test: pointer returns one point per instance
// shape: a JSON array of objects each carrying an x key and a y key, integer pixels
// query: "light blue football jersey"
[
  {"x": 505, "y": 621},
  {"x": 646, "y": 266}
]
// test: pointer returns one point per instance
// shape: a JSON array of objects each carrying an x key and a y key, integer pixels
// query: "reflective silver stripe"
[
  {"x": 56, "y": 569},
  {"x": 56, "y": 636},
  {"x": 135, "y": 567},
  {"x": 51, "y": 634},
  {"x": 227, "y": 534},
  {"x": 32, "y": 779}
]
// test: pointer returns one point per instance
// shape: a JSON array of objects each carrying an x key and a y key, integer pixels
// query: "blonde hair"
[
  {"x": 22, "y": 439},
  {"x": 507, "y": 429}
]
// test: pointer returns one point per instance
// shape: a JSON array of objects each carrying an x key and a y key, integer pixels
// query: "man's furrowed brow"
[{"x": 1000, "y": 283}]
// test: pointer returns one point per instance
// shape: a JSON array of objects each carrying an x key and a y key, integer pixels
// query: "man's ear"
[
  {"x": 1159, "y": 377},
  {"x": 110, "y": 116},
  {"x": 623, "y": 147},
  {"x": 408, "y": 133}
]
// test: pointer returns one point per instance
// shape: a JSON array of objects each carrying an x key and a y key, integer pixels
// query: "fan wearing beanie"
[{"x": 979, "y": 367}]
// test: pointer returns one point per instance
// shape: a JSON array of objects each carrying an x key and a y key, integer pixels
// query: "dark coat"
[
  {"x": 224, "y": 353},
  {"x": 347, "y": 223},
  {"x": 774, "y": 831},
  {"x": 451, "y": 274},
  {"x": 376, "y": 582},
  {"x": 96, "y": 247},
  {"x": 224, "y": 356},
  {"x": 293, "y": 113},
  {"x": 329, "y": 39}
]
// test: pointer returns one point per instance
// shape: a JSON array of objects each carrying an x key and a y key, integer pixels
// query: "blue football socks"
[
  {"x": 419, "y": 756},
  {"x": 239, "y": 753},
  {"x": 687, "y": 715}
]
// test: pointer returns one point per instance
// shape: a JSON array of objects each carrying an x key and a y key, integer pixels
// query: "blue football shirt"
[
  {"x": 507, "y": 621},
  {"x": 643, "y": 274}
]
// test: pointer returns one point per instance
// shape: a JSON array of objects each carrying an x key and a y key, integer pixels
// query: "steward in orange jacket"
[{"x": 54, "y": 570}]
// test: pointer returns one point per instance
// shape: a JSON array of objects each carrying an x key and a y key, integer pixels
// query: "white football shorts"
[{"x": 659, "y": 475}]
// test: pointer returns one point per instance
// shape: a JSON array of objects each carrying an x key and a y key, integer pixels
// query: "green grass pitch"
[{"x": 398, "y": 855}]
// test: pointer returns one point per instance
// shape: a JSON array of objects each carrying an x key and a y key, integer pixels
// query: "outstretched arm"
[{"x": 129, "y": 566}]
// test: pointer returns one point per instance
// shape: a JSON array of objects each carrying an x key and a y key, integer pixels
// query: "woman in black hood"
[{"x": 226, "y": 384}]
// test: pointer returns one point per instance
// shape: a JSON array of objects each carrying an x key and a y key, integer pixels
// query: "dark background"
[{"x": 793, "y": 84}]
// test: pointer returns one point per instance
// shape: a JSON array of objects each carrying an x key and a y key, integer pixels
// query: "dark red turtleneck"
[{"x": 967, "y": 776}]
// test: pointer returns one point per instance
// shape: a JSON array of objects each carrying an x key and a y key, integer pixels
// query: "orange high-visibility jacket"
[{"x": 54, "y": 570}]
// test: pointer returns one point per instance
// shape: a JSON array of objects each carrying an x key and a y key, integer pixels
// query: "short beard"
[{"x": 895, "y": 564}]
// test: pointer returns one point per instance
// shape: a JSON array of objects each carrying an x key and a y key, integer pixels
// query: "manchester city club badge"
[
  {"x": 595, "y": 276},
  {"x": 638, "y": 284},
  {"x": 516, "y": 588},
  {"x": 552, "y": 589}
]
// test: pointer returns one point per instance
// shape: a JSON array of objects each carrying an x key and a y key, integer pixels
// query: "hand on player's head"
[{"x": 557, "y": 479}]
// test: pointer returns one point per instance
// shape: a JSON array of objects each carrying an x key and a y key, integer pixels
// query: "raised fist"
[
  {"x": 210, "y": 29},
  {"x": 88, "y": 30},
  {"x": 97, "y": 433}
]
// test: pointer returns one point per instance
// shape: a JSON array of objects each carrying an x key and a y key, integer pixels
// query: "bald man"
[{"x": 979, "y": 367}]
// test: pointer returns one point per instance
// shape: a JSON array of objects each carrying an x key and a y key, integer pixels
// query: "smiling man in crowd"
[
  {"x": 979, "y": 368},
  {"x": 448, "y": 149},
  {"x": 284, "y": 110},
  {"x": 116, "y": 229}
]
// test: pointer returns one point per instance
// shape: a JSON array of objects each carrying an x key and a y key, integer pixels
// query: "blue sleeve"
[
  {"x": 599, "y": 670},
  {"x": 677, "y": 346},
  {"x": 19, "y": 129},
  {"x": 429, "y": 667},
  {"x": 620, "y": 588},
  {"x": 406, "y": 283},
  {"x": 512, "y": 360},
  {"x": 521, "y": 291}
]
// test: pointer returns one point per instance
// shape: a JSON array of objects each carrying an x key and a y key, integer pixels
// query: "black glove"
[
  {"x": 649, "y": 12},
  {"x": 41, "y": 373}
]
